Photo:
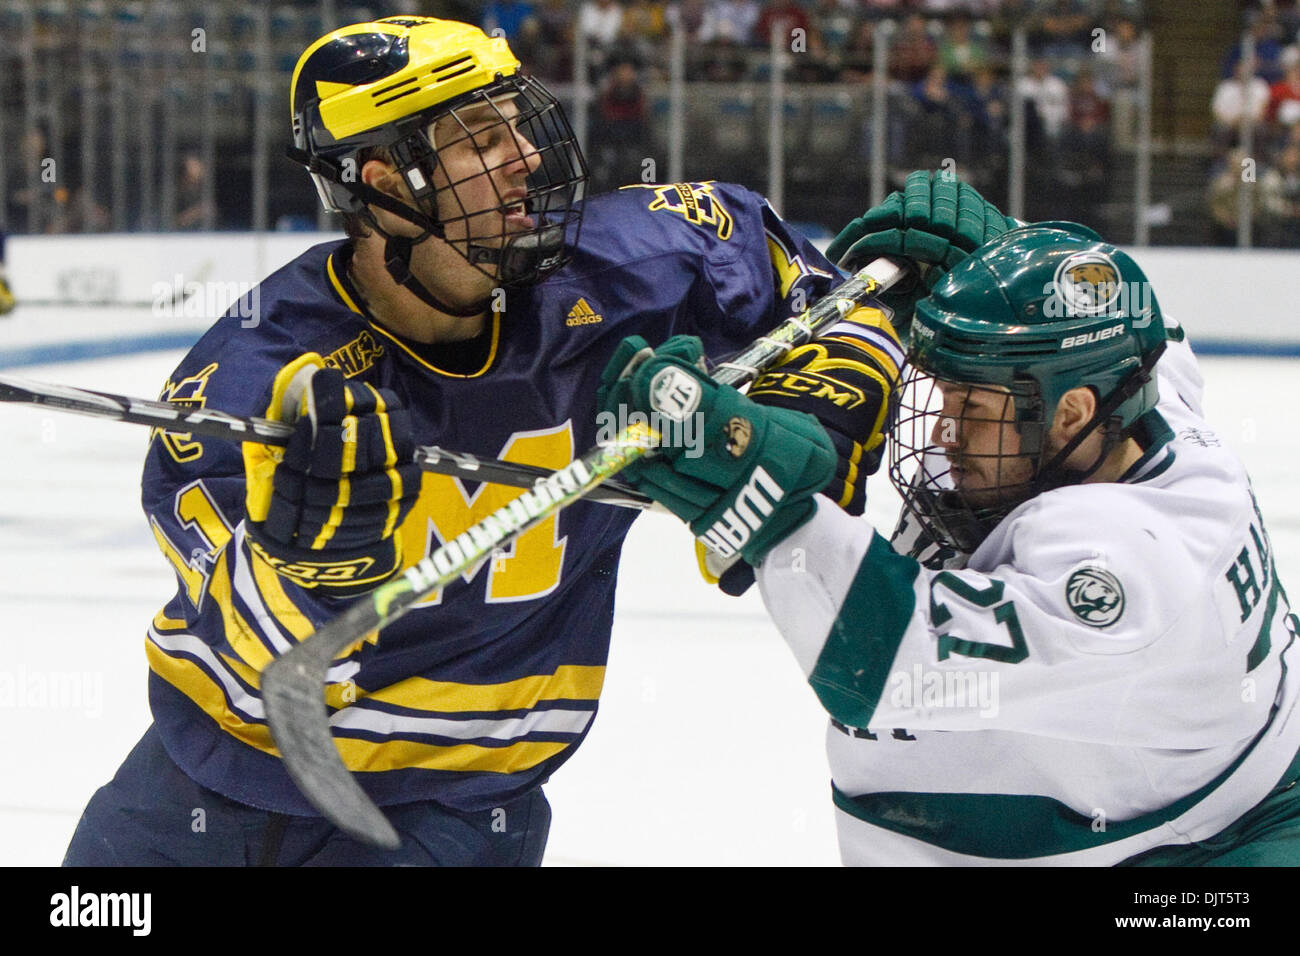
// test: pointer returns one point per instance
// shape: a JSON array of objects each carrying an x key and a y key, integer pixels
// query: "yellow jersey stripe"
[
  {"x": 569, "y": 682},
  {"x": 240, "y": 635},
  {"x": 165, "y": 623},
  {"x": 196, "y": 684},
  {"x": 338, "y": 286},
  {"x": 492, "y": 352},
  {"x": 270, "y": 587},
  {"x": 362, "y": 756},
  {"x": 358, "y": 755}
]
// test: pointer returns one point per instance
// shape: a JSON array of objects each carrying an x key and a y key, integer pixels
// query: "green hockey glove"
[
  {"x": 936, "y": 221},
  {"x": 742, "y": 475}
]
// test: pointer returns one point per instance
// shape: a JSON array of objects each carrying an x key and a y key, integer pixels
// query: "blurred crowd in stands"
[
  {"x": 1256, "y": 131},
  {"x": 947, "y": 67}
]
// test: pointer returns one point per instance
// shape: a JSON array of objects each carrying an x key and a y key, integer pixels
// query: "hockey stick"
[
  {"x": 292, "y": 684},
  {"x": 211, "y": 423}
]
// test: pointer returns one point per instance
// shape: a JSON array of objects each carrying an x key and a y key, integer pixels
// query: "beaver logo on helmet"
[{"x": 1087, "y": 283}]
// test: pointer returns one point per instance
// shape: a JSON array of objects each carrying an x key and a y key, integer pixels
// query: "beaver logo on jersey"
[
  {"x": 1095, "y": 596},
  {"x": 1087, "y": 283}
]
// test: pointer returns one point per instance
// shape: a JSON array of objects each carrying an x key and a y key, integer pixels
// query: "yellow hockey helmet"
[{"x": 385, "y": 85}]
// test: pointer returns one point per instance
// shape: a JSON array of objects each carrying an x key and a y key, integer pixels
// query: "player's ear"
[
  {"x": 1073, "y": 411},
  {"x": 381, "y": 175}
]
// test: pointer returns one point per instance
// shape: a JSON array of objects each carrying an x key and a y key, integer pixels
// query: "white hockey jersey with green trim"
[{"x": 1106, "y": 674}]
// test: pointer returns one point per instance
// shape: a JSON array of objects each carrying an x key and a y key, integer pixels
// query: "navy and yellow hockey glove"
[
  {"x": 847, "y": 380},
  {"x": 323, "y": 510},
  {"x": 746, "y": 476},
  {"x": 936, "y": 221}
]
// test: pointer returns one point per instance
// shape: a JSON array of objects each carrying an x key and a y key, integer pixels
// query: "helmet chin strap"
[
  {"x": 397, "y": 249},
  {"x": 397, "y": 260}
]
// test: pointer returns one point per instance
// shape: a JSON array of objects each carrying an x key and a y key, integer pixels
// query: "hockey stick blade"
[
  {"x": 179, "y": 418},
  {"x": 293, "y": 684}
]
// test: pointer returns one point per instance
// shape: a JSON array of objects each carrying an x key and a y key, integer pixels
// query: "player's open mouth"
[{"x": 517, "y": 218}]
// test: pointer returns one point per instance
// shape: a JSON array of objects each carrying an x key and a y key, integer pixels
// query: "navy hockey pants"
[{"x": 152, "y": 814}]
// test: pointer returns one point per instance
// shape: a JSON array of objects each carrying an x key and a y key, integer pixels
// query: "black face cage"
[
  {"x": 538, "y": 138},
  {"x": 957, "y": 493}
]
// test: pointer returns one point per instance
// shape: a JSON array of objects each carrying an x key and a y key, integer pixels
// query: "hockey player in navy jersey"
[
  {"x": 1077, "y": 650},
  {"x": 474, "y": 306}
]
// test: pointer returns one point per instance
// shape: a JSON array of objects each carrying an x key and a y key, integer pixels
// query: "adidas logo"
[{"x": 583, "y": 314}]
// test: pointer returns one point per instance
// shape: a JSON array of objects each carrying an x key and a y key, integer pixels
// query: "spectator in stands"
[
  {"x": 645, "y": 26},
  {"x": 731, "y": 22},
  {"x": 786, "y": 16},
  {"x": 508, "y": 16},
  {"x": 1118, "y": 64},
  {"x": 1235, "y": 99},
  {"x": 23, "y": 191},
  {"x": 1268, "y": 48},
  {"x": 75, "y": 211},
  {"x": 1287, "y": 226},
  {"x": 884, "y": 8},
  {"x": 599, "y": 26},
  {"x": 1062, "y": 28},
  {"x": 599, "y": 22},
  {"x": 938, "y": 132},
  {"x": 835, "y": 20},
  {"x": 1089, "y": 111},
  {"x": 1118, "y": 61},
  {"x": 193, "y": 210},
  {"x": 1264, "y": 188},
  {"x": 555, "y": 18},
  {"x": 1050, "y": 96},
  {"x": 962, "y": 51},
  {"x": 1284, "y": 98},
  {"x": 530, "y": 46},
  {"x": 619, "y": 141},
  {"x": 1083, "y": 159},
  {"x": 913, "y": 51},
  {"x": 857, "y": 60},
  {"x": 986, "y": 100},
  {"x": 690, "y": 14}
]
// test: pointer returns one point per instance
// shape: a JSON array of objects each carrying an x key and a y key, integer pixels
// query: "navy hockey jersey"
[{"x": 482, "y": 691}]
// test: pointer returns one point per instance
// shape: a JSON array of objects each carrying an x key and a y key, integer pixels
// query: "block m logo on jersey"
[{"x": 530, "y": 567}]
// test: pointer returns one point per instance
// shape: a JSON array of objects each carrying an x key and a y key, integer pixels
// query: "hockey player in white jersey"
[{"x": 1093, "y": 662}]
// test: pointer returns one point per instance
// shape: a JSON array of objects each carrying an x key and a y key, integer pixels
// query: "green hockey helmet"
[{"x": 1035, "y": 313}]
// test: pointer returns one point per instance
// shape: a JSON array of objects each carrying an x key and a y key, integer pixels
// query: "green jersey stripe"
[{"x": 854, "y": 662}]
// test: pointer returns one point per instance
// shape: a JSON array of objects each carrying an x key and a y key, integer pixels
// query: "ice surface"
[{"x": 708, "y": 747}]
